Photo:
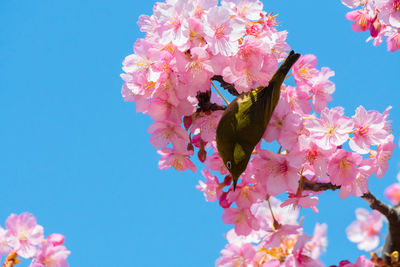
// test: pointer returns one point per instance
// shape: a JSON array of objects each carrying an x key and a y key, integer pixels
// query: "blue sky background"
[{"x": 78, "y": 157}]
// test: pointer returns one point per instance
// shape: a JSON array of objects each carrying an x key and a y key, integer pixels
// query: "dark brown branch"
[
  {"x": 392, "y": 242},
  {"x": 316, "y": 187},
  {"x": 227, "y": 86},
  {"x": 205, "y": 104},
  {"x": 378, "y": 205}
]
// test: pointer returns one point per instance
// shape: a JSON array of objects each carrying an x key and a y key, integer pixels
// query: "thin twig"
[
  {"x": 216, "y": 89},
  {"x": 227, "y": 86}
]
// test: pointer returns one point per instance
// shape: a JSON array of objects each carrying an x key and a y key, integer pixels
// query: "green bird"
[{"x": 245, "y": 119}]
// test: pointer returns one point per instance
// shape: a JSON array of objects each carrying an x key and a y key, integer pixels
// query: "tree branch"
[
  {"x": 378, "y": 205},
  {"x": 316, "y": 187},
  {"x": 205, "y": 104},
  {"x": 227, "y": 86},
  {"x": 392, "y": 242}
]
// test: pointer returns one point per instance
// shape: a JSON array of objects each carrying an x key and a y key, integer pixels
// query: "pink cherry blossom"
[
  {"x": 160, "y": 110},
  {"x": 27, "y": 233},
  {"x": 56, "y": 239},
  {"x": 389, "y": 11},
  {"x": 245, "y": 9},
  {"x": 382, "y": 156},
  {"x": 392, "y": 192},
  {"x": 276, "y": 236},
  {"x": 359, "y": 186},
  {"x": 319, "y": 240},
  {"x": 246, "y": 195},
  {"x": 49, "y": 255},
  {"x": 381, "y": 17},
  {"x": 393, "y": 41},
  {"x": 236, "y": 256},
  {"x": 215, "y": 163},
  {"x": 305, "y": 69},
  {"x": 297, "y": 98},
  {"x": 243, "y": 220},
  {"x": 316, "y": 156},
  {"x": 352, "y": 3},
  {"x": 303, "y": 200},
  {"x": 368, "y": 130},
  {"x": 284, "y": 215},
  {"x": 364, "y": 231},
  {"x": 343, "y": 167},
  {"x": 322, "y": 88},
  {"x": 197, "y": 68},
  {"x": 300, "y": 255},
  {"x": 173, "y": 20},
  {"x": 276, "y": 172},
  {"x": 7, "y": 242},
  {"x": 251, "y": 66},
  {"x": 207, "y": 125},
  {"x": 222, "y": 32},
  {"x": 166, "y": 132},
  {"x": 284, "y": 126},
  {"x": 199, "y": 7},
  {"x": 178, "y": 160},
  {"x": 362, "y": 20},
  {"x": 332, "y": 129},
  {"x": 211, "y": 187}
]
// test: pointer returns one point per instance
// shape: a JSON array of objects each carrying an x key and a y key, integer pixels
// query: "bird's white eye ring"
[{"x": 228, "y": 165}]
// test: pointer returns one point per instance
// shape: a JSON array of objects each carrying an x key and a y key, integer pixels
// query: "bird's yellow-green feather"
[{"x": 245, "y": 119}]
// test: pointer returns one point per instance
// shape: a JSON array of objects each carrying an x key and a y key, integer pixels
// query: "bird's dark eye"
[{"x": 228, "y": 165}]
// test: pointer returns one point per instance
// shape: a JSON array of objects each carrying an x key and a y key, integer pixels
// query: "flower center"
[
  {"x": 177, "y": 165},
  {"x": 22, "y": 236},
  {"x": 331, "y": 129},
  {"x": 344, "y": 163},
  {"x": 363, "y": 130},
  {"x": 305, "y": 71},
  {"x": 363, "y": 20},
  {"x": 219, "y": 32}
]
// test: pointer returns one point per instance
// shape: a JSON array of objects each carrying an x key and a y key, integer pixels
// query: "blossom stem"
[
  {"x": 216, "y": 89},
  {"x": 276, "y": 223}
]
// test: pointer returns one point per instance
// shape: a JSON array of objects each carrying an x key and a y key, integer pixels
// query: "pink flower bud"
[
  {"x": 56, "y": 239},
  {"x": 187, "y": 122},
  {"x": 202, "y": 154},
  {"x": 223, "y": 200},
  {"x": 375, "y": 28},
  {"x": 196, "y": 139},
  {"x": 228, "y": 180}
]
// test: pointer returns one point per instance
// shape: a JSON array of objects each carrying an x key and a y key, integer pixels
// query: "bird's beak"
[{"x": 235, "y": 180}]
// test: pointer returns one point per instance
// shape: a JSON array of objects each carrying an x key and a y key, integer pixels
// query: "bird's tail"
[{"x": 280, "y": 76}]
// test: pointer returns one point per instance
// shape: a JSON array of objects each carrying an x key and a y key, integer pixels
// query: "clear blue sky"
[{"x": 78, "y": 157}]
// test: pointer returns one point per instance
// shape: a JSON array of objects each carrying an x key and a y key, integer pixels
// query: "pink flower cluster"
[
  {"x": 282, "y": 244},
  {"x": 188, "y": 45},
  {"x": 313, "y": 150},
  {"x": 379, "y": 17},
  {"x": 24, "y": 236}
]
